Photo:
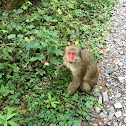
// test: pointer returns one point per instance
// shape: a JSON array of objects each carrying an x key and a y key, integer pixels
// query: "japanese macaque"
[{"x": 83, "y": 68}]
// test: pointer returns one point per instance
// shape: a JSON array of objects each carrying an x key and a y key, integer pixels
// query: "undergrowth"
[{"x": 32, "y": 40}]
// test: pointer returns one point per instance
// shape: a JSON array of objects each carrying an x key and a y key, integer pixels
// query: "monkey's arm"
[{"x": 56, "y": 72}]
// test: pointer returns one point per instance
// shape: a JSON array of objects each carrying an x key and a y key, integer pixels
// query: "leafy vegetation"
[
  {"x": 7, "y": 119},
  {"x": 32, "y": 39}
]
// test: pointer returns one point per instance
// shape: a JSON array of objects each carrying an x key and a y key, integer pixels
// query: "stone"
[
  {"x": 124, "y": 120},
  {"x": 95, "y": 124},
  {"x": 120, "y": 64},
  {"x": 120, "y": 124},
  {"x": 118, "y": 105},
  {"x": 100, "y": 123},
  {"x": 117, "y": 95},
  {"x": 93, "y": 119},
  {"x": 98, "y": 110},
  {"x": 85, "y": 123},
  {"x": 109, "y": 124},
  {"x": 115, "y": 124},
  {"x": 100, "y": 99},
  {"x": 108, "y": 71},
  {"x": 103, "y": 115},
  {"x": 105, "y": 97},
  {"x": 118, "y": 114},
  {"x": 107, "y": 85},
  {"x": 111, "y": 109},
  {"x": 124, "y": 115},
  {"x": 105, "y": 112},
  {"x": 111, "y": 115},
  {"x": 121, "y": 78}
]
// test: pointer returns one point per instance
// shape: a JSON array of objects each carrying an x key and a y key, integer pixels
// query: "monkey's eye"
[
  {"x": 74, "y": 54},
  {"x": 69, "y": 53}
]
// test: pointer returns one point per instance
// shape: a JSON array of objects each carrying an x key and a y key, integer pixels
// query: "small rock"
[
  {"x": 124, "y": 115},
  {"x": 118, "y": 105},
  {"x": 120, "y": 124},
  {"x": 111, "y": 114},
  {"x": 105, "y": 112},
  {"x": 121, "y": 78},
  {"x": 100, "y": 123},
  {"x": 115, "y": 124},
  {"x": 93, "y": 119},
  {"x": 100, "y": 46},
  {"x": 102, "y": 115},
  {"x": 118, "y": 114},
  {"x": 108, "y": 85},
  {"x": 109, "y": 124},
  {"x": 121, "y": 52},
  {"x": 100, "y": 99},
  {"x": 120, "y": 64},
  {"x": 111, "y": 109},
  {"x": 95, "y": 124},
  {"x": 117, "y": 95},
  {"x": 105, "y": 97},
  {"x": 108, "y": 71},
  {"x": 85, "y": 123},
  {"x": 124, "y": 120},
  {"x": 97, "y": 109}
]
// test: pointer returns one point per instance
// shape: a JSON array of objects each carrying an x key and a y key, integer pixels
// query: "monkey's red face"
[{"x": 71, "y": 55}]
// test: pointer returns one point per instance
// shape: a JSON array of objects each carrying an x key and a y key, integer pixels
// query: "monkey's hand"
[
  {"x": 72, "y": 87},
  {"x": 56, "y": 72}
]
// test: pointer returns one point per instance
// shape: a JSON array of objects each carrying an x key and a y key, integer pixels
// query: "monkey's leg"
[
  {"x": 72, "y": 87},
  {"x": 86, "y": 86}
]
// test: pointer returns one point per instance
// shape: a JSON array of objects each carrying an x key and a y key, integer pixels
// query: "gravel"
[
  {"x": 118, "y": 105},
  {"x": 112, "y": 78}
]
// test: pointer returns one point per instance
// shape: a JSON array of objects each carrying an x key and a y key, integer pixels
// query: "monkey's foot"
[{"x": 86, "y": 87}]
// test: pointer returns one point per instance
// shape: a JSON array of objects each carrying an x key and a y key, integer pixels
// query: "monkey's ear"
[{"x": 79, "y": 48}]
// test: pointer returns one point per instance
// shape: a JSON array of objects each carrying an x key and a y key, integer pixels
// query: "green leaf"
[
  {"x": 10, "y": 110},
  {"x": 5, "y": 124},
  {"x": 1, "y": 121},
  {"x": 2, "y": 117},
  {"x": 0, "y": 75},
  {"x": 40, "y": 57},
  {"x": 89, "y": 104},
  {"x": 1, "y": 66},
  {"x": 33, "y": 59},
  {"x": 53, "y": 105},
  {"x": 11, "y": 36},
  {"x": 44, "y": 44},
  {"x": 10, "y": 116},
  {"x": 30, "y": 27},
  {"x": 77, "y": 122},
  {"x": 4, "y": 90},
  {"x": 20, "y": 36},
  {"x": 49, "y": 96},
  {"x": 56, "y": 102},
  {"x": 13, "y": 123},
  {"x": 19, "y": 11}
]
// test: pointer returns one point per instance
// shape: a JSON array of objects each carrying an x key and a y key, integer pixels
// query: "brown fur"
[{"x": 84, "y": 70}]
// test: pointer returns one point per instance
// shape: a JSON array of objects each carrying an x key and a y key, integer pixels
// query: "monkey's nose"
[{"x": 70, "y": 62}]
